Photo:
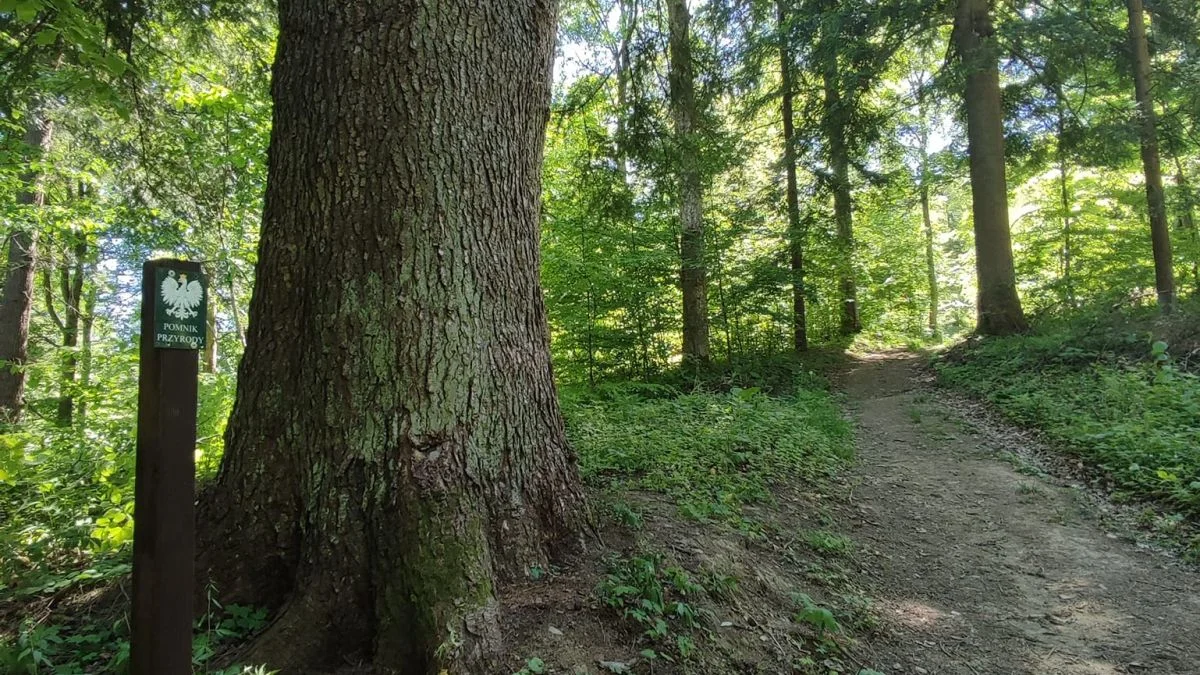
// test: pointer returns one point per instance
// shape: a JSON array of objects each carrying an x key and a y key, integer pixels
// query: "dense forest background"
[{"x": 724, "y": 182}]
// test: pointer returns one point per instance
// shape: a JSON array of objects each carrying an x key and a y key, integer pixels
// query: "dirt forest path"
[{"x": 978, "y": 568}]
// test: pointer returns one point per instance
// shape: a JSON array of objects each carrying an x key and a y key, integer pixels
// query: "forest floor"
[
  {"x": 979, "y": 561},
  {"x": 955, "y": 544}
]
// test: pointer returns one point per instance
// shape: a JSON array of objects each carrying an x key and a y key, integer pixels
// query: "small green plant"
[
  {"x": 627, "y": 516},
  {"x": 1163, "y": 370},
  {"x": 856, "y": 612},
  {"x": 223, "y": 625},
  {"x": 828, "y": 542},
  {"x": 35, "y": 650},
  {"x": 816, "y": 616},
  {"x": 657, "y": 597},
  {"x": 719, "y": 585},
  {"x": 831, "y": 575},
  {"x": 51, "y": 648},
  {"x": 533, "y": 666},
  {"x": 1028, "y": 489}
]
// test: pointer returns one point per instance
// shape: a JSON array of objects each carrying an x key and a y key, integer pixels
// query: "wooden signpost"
[{"x": 174, "y": 301}]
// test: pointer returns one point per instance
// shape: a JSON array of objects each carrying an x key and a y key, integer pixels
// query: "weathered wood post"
[{"x": 174, "y": 298}]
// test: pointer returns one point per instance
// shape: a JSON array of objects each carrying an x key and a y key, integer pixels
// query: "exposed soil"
[
  {"x": 978, "y": 568},
  {"x": 967, "y": 558}
]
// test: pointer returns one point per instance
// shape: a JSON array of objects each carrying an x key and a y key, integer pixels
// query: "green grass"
[
  {"x": 711, "y": 451},
  {"x": 1107, "y": 389}
]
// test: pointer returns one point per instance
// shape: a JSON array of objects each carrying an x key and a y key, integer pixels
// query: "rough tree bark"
[
  {"x": 1160, "y": 233},
  {"x": 686, "y": 116},
  {"x": 999, "y": 306},
  {"x": 843, "y": 203},
  {"x": 396, "y": 449},
  {"x": 795, "y": 233},
  {"x": 16, "y": 300},
  {"x": 926, "y": 217}
]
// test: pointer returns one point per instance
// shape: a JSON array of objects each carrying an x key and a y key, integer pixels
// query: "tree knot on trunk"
[{"x": 438, "y": 460}]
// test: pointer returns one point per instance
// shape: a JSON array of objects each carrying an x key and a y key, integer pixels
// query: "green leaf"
[
  {"x": 45, "y": 37},
  {"x": 27, "y": 10},
  {"x": 115, "y": 64}
]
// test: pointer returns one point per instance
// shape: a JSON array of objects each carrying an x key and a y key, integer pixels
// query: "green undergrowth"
[
  {"x": 1117, "y": 389},
  {"x": 714, "y": 448},
  {"x": 674, "y": 610},
  {"x": 659, "y": 598},
  {"x": 101, "y": 645}
]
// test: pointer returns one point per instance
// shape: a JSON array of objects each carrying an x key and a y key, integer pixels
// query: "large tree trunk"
[
  {"x": 927, "y": 219},
  {"x": 974, "y": 38},
  {"x": 1160, "y": 234},
  {"x": 693, "y": 273},
  {"x": 795, "y": 232},
  {"x": 396, "y": 449},
  {"x": 843, "y": 204},
  {"x": 16, "y": 300}
]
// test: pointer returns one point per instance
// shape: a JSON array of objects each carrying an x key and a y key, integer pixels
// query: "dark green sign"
[{"x": 181, "y": 309}]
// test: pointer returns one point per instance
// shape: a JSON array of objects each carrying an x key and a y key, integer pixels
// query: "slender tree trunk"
[
  {"x": 1187, "y": 221},
  {"x": 930, "y": 257},
  {"x": 236, "y": 311},
  {"x": 724, "y": 310},
  {"x": 795, "y": 232},
  {"x": 1064, "y": 193},
  {"x": 693, "y": 273},
  {"x": 71, "y": 280},
  {"x": 843, "y": 204},
  {"x": 16, "y": 300},
  {"x": 396, "y": 450},
  {"x": 930, "y": 265},
  {"x": 626, "y": 25},
  {"x": 1160, "y": 233},
  {"x": 85, "y": 351},
  {"x": 210, "y": 340},
  {"x": 590, "y": 298},
  {"x": 999, "y": 308}
]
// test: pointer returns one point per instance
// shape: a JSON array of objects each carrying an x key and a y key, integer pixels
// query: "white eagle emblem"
[{"x": 182, "y": 296}]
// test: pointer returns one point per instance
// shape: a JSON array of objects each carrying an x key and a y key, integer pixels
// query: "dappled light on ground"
[{"x": 912, "y": 614}]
